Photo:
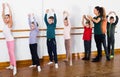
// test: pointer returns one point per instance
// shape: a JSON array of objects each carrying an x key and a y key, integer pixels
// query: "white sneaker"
[
  {"x": 56, "y": 65},
  {"x": 49, "y": 63},
  {"x": 39, "y": 69},
  {"x": 32, "y": 66},
  {"x": 9, "y": 67},
  {"x": 14, "y": 70}
]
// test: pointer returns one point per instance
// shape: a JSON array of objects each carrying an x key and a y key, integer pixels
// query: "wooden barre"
[
  {"x": 19, "y": 37},
  {"x": 26, "y": 30}
]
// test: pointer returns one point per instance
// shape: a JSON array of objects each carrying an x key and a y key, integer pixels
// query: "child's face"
[
  {"x": 87, "y": 25},
  {"x": 50, "y": 21},
  {"x": 7, "y": 19},
  {"x": 66, "y": 22},
  {"x": 111, "y": 20},
  {"x": 32, "y": 26}
]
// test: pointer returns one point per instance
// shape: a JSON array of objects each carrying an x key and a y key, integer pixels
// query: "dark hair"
[
  {"x": 111, "y": 17},
  {"x": 66, "y": 18},
  {"x": 101, "y": 11},
  {"x": 88, "y": 22},
  {"x": 34, "y": 23},
  {"x": 51, "y": 17},
  {"x": 7, "y": 15}
]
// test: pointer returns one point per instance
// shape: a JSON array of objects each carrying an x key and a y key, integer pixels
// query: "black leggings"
[
  {"x": 35, "y": 58},
  {"x": 101, "y": 39},
  {"x": 87, "y": 48},
  {"x": 111, "y": 42},
  {"x": 52, "y": 50}
]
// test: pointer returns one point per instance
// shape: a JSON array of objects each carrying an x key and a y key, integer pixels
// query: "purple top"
[{"x": 33, "y": 33}]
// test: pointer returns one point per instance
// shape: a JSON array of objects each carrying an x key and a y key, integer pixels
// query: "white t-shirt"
[
  {"x": 7, "y": 33},
  {"x": 67, "y": 30}
]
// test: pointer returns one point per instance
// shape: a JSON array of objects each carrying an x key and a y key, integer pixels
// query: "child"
[
  {"x": 33, "y": 42},
  {"x": 51, "y": 41},
  {"x": 67, "y": 37},
  {"x": 7, "y": 18},
  {"x": 111, "y": 33},
  {"x": 87, "y": 37}
]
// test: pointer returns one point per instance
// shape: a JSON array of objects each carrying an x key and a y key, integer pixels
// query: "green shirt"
[
  {"x": 50, "y": 27},
  {"x": 111, "y": 27},
  {"x": 97, "y": 26}
]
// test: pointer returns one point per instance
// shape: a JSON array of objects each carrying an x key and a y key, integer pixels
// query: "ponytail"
[{"x": 101, "y": 11}]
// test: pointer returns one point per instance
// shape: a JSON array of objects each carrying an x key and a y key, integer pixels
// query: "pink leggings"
[{"x": 10, "y": 45}]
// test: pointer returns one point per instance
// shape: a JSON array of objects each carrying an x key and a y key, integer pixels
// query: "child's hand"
[
  {"x": 66, "y": 13},
  {"x": 47, "y": 10},
  {"x": 89, "y": 17}
]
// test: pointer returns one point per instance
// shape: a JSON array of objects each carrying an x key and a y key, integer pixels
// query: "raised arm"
[
  {"x": 108, "y": 15},
  {"x": 66, "y": 15},
  {"x": 117, "y": 19},
  {"x": 83, "y": 24},
  {"x": 35, "y": 22},
  {"x": 10, "y": 13},
  {"x": 55, "y": 18},
  {"x": 91, "y": 24},
  {"x": 94, "y": 20},
  {"x": 45, "y": 18},
  {"x": 29, "y": 19},
  {"x": 3, "y": 12}
]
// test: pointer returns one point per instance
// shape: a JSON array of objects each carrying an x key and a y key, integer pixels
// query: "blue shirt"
[{"x": 33, "y": 33}]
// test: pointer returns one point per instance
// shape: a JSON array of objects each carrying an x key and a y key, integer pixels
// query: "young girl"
[
  {"x": 100, "y": 37},
  {"x": 87, "y": 37},
  {"x": 67, "y": 37},
  {"x": 7, "y": 18},
  {"x": 33, "y": 42}
]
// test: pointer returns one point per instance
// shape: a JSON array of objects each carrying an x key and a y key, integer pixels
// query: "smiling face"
[{"x": 7, "y": 19}]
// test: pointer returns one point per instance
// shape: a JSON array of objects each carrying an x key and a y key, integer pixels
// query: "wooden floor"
[{"x": 79, "y": 69}]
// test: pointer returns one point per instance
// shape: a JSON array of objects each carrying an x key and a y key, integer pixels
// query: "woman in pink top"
[{"x": 67, "y": 37}]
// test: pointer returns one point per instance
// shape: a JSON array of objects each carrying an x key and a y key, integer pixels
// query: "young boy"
[
  {"x": 51, "y": 41},
  {"x": 111, "y": 33},
  {"x": 87, "y": 35},
  {"x": 33, "y": 42},
  {"x": 67, "y": 37}
]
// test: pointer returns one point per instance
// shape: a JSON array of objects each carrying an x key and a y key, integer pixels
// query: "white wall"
[{"x": 76, "y": 8}]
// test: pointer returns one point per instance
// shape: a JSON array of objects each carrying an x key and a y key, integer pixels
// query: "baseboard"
[{"x": 21, "y": 63}]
